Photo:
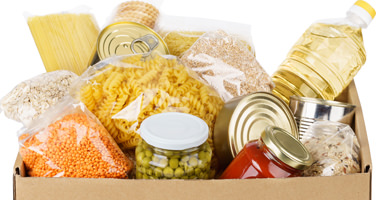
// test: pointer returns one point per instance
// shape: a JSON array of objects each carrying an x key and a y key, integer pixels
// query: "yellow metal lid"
[
  {"x": 286, "y": 148},
  {"x": 244, "y": 118},
  {"x": 123, "y": 38}
]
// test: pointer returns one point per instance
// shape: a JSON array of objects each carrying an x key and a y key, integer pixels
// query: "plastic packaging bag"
[
  {"x": 142, "y": 11},
  {"x": 123, "y": 91},
  {"x": 68, "y": 141},
  {"x": 180, "y": 33},
  {"x": 65, "y": 40},
  {"x": 29, "y": 99},
  {"x": 225, "y": 63},
  {"x": 334, "y": 148}
]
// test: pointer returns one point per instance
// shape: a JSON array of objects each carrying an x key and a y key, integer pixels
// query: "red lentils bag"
[{"x": 69, "y": 141}]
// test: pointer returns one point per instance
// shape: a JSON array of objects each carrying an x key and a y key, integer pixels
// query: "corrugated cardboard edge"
[{"x": 354, "y": 186}]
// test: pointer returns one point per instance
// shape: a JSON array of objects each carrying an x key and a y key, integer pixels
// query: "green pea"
[
  {"x": 155, "y": 160},
  {"x": 181, "y": 163},
  {"x": 184, "y": 177},
  {"x": 144, "y": 145},
  {"x": 140, "y": 156},
  {"x": 168, "y": 153},
  {"x": 148, "y": 153},
  {"x": 185, "y": 158},
  {"x": 193, "y": 177},
  {"x": 163, "y": 163},
  {"x": 189, "y": 171},
  {"x": 178, "y": 172},
  {"x": 145, "y": 176},
  {"x": 202, "y": 164},
  {"x": 193, "y": 161},
  {"x": 145, "y": 162},
  {"x": 139, "y": 149},
  {"x": 158, "y": 172},
  {"x": 197, "y": 171},
  {"x": 142, "y": 170},
  {"x": 173, "y": 163},
  {"x": 168, "y": 172},
  {"x": 139, "y": 175},
  {"x": 202, "y": 175},
  {"x": 202, "y": 155},
  {"x": 152, "y": 177},
  {"x": 149, "y": 172}
]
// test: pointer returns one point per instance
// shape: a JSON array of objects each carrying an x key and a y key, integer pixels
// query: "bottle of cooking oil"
[{"x": 326, "y": 58}]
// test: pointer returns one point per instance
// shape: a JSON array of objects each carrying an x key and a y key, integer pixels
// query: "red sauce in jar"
[{"x": 255, "y": 160}]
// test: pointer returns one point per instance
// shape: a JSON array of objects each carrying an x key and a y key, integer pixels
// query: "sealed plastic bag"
[
  {"x": 334, "y": 148},
  {"x": 180, "y": 33},
  {"x": 29, "y": 99},
  {"x": 123, "y": 91},
  {"x": 142, "y": 11},
  {"x": 68, "y": 141},
  {"x": 65, "y": 40},
  {"x": 225, "y": 63}
]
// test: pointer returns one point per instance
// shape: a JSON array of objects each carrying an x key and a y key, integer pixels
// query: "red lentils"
[{"x": 74, "y": 146}]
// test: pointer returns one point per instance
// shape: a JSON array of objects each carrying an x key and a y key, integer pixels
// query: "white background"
[{"x": 276, "y": 25}]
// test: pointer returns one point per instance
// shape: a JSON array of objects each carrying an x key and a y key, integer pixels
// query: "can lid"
[
  {"x": 286, "y": 148},
  {"x": 364, "y": 11},
  {"x": 123, "y": 38},
  {"x": 174, "y": 131}
]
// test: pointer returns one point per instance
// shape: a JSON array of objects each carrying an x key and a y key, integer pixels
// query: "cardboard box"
[{"x": 355, "y": 186}]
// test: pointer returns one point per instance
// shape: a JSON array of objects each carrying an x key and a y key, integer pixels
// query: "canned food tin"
[
  {"x": 123, "y": 38},
  {"x": 244, "y": 118},
  {"x": 308, "y": 110}
]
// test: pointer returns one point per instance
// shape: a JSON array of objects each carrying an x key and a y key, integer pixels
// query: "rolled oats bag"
[
  {"x": 30, "y": 98},
  {"x": 334, "y": 148}
]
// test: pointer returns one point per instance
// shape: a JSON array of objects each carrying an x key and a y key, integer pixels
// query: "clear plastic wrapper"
[
  {"x": 225, "y": 63},
  {"x": 123, "y": 91},
  {"x": 68, "y": 141},
  {"x": 180, "y": 33},
  {"x": 142, "y": 11},
  {"x": 65, "y": 40},
  {"x": 29, "y": 99},
  {"x": 334, "y": 148}
]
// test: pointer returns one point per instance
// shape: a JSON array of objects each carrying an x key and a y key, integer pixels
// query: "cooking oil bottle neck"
[{"x": 361, "y": 14}]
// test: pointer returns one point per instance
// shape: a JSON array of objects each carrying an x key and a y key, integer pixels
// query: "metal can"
[
  {"x": 308, "y": 110},
  {"x": 244, "y": 118},
  {"x": 123, "y": 38}
]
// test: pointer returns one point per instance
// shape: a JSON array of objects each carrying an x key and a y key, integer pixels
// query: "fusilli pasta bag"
[{"x": 123, "y": 91}]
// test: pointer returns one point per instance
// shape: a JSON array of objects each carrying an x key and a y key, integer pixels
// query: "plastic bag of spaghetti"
[
  {"x": 334, "y": 148},
  {"x": 69, "y": 141},
  {"x": 141, "y": 11},
  {"x": 180, "y": 33},
  {"x": 225, "y": 63},
  {"x": 123, "y": 91},
  {"x": 31, "y": 98}
]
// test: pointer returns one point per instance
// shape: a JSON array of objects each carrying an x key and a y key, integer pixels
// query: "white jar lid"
[{"x": 174, "y": 131}]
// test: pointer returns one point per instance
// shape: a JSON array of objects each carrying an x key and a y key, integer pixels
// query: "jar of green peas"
[{"x": 174, "y": 146}]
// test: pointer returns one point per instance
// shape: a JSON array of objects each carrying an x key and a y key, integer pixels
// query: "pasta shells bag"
[
  {"x": 68, "y": 141},
  {"x": 123, "y": 91}
]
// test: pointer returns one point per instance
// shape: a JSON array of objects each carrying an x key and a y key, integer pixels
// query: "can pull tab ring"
[{"x": 149, "y": 40}]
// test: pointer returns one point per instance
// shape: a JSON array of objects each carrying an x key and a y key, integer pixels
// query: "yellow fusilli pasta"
[{"x": 129, "y": 90}]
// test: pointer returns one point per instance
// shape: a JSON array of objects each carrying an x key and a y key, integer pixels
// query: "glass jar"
[
  {"x": 174, "y": 146},
  {"x": 277, "y": 154}
]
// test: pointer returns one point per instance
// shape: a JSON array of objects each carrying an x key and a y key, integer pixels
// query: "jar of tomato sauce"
[{"x": 277, "y": 154}]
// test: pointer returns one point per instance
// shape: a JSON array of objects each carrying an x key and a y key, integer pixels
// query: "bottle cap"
[
  {"x": 174, "y": 131},
  {"x": 364, "y": 11}
]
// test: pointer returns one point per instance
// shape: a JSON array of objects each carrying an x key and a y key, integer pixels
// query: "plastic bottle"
[{"x": 326, "y": 58}]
